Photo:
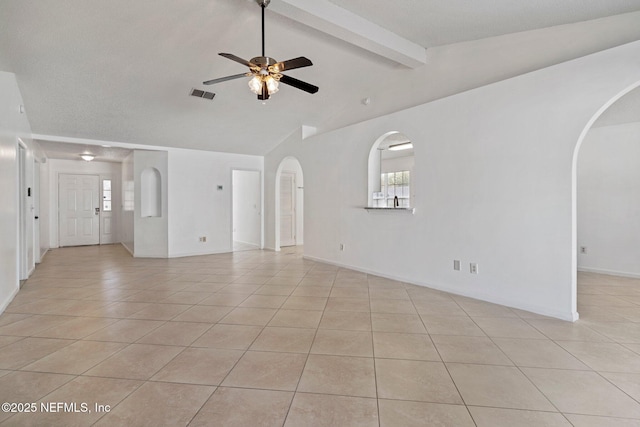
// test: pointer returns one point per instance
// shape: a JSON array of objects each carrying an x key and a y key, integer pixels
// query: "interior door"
[
  {"x": 247, "y": 220},
  {"x": 79, "y": 209},
  {"x": 36, "y": 212},
  {"x": 287, "y": 209}
]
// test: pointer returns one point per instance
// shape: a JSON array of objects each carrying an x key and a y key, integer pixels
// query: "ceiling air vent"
[{"x": 202, "y": 94}]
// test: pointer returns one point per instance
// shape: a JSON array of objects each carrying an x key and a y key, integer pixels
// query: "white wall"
[
  {"x": 494, "y": 170},
  {"x": 105, "y": 170},
  {"x": 196, "y": 207},
  {"x": 13, "y": 125},
  {"x": 127, "y": 204},
  {"x": 609, "y": 200},
  {"x": 45, "y": 208},
  {"x": 247, "y": 206}
]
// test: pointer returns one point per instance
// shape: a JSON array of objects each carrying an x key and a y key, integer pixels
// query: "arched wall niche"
[{"x": 151, "y": 193}]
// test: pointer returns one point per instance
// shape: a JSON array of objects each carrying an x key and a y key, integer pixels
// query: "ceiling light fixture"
[
  {"x": 404, "y": 146},
  {"x": 257, "y": 82},
  {"x": 87, "y": 157}
]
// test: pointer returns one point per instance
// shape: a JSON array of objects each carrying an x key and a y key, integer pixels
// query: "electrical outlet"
[
  {"x": 456, "y": 264},
  {"x": 203, "y": 239},
  {"x": 342, "y": 246},
  {"x": 473, "y": 268},
  {"x": 583, "y": 249}
]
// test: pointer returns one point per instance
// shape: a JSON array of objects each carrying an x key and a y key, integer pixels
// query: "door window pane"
[{"x": 106, "y": 195}]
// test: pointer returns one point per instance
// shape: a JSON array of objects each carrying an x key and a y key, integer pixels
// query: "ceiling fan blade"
[
  {"x": 299, "y": 84},
  {"x": 224, "y": 79},
  {"x": 237, "y": 59},
  {"x": 291, "y": 64}
]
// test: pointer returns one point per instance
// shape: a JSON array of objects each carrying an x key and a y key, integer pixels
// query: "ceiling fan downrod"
[{"x": 263, "y": 5}]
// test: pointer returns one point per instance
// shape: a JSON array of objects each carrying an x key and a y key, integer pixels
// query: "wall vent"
[{"x": 202, "y": 94}]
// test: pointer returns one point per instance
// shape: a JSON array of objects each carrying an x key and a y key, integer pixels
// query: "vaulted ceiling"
[{"x": 121, "y": 71}]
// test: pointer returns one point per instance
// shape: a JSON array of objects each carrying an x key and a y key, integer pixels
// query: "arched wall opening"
[
  {"x": 289, "y": 204},
  {"x": 574, "y": 189},
  {"x": 391, "y": 154}
]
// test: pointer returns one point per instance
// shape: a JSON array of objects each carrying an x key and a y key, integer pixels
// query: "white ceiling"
[
  {"x": 435, "y": 22},
  {"x": 121, "y": 70}
]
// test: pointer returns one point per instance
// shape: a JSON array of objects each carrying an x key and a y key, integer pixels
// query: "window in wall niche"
[
  {"x": 395, "y": 184},
  {"x": 150, "y": 197},
  {"x": 391, "y": 165},
  {"x": 128, "y": 202},
  {"x": 106, "y": 195}
]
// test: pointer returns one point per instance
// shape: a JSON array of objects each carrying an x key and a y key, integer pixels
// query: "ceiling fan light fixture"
[
  {"x": 272, "y": 84},
  {"x": 266, "y": 72},
  {"x": 256, "y": 82}
]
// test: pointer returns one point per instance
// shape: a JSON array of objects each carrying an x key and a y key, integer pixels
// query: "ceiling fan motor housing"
[{"x": 263, "y": 61}]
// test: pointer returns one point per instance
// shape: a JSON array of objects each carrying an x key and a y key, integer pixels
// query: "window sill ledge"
[{"x": 399, "y": 210}]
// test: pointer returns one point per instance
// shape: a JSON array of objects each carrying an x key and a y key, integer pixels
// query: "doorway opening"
[
  {"x": 289, "y": 204},
  {"x": 605, "y": 236},
  {"x": 246, "y": 195}
]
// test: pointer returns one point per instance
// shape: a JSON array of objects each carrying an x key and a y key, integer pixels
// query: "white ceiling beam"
[{"x": 338, "y": 22}]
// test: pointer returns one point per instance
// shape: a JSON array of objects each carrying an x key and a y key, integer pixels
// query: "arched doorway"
[
  {"x": 576, "y": 248},
  {"x": 289, "y": 204}
]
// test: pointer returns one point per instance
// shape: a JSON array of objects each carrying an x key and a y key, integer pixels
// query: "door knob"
[{"x": 97, "y": 211}]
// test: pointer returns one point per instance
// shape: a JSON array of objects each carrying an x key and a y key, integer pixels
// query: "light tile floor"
[{"x": 270, "y": 339}]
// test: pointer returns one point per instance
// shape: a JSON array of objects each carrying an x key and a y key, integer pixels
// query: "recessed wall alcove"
[{"x": 151, "y": 193}]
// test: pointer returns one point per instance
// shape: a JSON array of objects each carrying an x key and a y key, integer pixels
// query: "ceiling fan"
[{"x": 266, "y": 72}]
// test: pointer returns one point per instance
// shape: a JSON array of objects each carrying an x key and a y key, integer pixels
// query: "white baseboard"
[
  {"x": 127, "y": 248},
  {"x": 186, "y": 254},
  {"x": 544, "y": 311},
  {"x": 8, "y": 300},
  {"x": 248, "y": 243},
  {"x": 609, "y": 272}
]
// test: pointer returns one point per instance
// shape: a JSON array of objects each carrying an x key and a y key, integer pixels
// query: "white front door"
[
  {"x": 79, "y": 210},
  {"x": 287, "y": 209}
]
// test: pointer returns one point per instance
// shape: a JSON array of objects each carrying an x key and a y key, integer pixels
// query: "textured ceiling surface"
[
  {"x": 435, "y": 22},
  {"x": 68, "y": 151},
  {"x": 121, "y": 71}
]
